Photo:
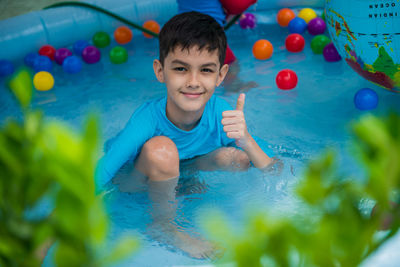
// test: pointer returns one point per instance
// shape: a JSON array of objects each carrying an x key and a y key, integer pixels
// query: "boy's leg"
[{"x": 224, "y": 158}]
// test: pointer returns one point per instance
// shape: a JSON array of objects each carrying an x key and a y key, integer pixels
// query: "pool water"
[{"x": 299, "y": 125}]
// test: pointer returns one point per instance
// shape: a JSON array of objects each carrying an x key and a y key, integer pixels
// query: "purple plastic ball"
[
  {"x": 330, "y": 53},
  {"x": 247, "y": 21},
  {"x": 61, "y": 54},
  {"x": 316, "y": 26},
  {"x": 91, "y": 54}
]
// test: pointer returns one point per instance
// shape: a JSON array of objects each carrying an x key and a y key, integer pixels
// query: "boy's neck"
[{"x": 186, "y": 121}]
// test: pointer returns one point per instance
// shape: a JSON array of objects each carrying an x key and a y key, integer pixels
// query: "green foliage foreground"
[
  {"x": 46, "y": 160},
  {"x": 332, "y": 228}
]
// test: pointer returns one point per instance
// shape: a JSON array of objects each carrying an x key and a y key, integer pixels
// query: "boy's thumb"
[{"x": 240, "y": 102}]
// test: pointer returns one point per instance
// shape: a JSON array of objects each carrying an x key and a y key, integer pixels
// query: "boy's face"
[{"x": 191, "y": 76}]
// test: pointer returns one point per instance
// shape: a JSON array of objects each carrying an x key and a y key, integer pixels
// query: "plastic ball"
[
  {"x": 316, "y": 26},
  {"x": 318, "y": 43},
  {"x": 91, "y": 54},
  {"x": 43, "y": 81},
  {"x": 307, "y": 14},
  {"x": 6, "y": 67},
  {"x": 118, "y": 55},
  {"x": 123, "y": 35},
  {"x": 61, "y": 54},
  {"x": 330, "y": 53},
  {"x": 48, "y": 51},
  {"x": 286, "y": 79},
  {"x": 30, "y": 58},
  {"x": 42, "y": 63},
  {"x": 294, "y": 43},
  {"x": 366, "y": 99},
  {"x": 262, "y": 49},
  {"x": 101, "y": 39},
  {"x": 79, "y": 46},
  {"x": 235, "y": 7},
  {"x": 284, "y": 16},
  {"x": 297, "y": 25},
  {"x": 152, "y": 26},
  {"x": 229, "y": 56},
  {"x": 72, "y": 64},
  {"x": 247, "y": 21}
]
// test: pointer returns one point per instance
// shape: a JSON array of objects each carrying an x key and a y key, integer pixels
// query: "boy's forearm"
[{"x": 256, "y": 155}]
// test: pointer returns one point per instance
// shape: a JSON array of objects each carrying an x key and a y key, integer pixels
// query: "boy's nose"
[{"x": 193, "y": 81}]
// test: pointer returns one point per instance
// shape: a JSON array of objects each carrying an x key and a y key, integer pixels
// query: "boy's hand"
[{"x": 235, "y": 124}]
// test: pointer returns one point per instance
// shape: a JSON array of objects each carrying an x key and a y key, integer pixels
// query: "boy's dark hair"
[{"x": 192, "y": 29}]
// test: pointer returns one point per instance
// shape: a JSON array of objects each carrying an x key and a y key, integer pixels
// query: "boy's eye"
[
  {"x": 207, "y": 70},
  {"x": 179, "y": 69}
]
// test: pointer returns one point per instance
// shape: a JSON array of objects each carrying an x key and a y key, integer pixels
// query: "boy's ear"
[
  {"x": 158, "y": 70},
  {"x": 222, "y": 73}
]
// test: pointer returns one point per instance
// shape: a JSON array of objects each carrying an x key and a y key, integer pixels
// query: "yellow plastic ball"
[
  {"x": 43, "y": 81},
  {"x": 307, "y": 14}
]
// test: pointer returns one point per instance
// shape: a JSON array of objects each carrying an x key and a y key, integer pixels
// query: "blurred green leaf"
[{"x": 21, "y": 86}]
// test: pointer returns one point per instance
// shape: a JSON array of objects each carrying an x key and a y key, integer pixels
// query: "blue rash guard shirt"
[
  {"x": 212, "y": 8},
  {"x": 150, "y": 120}
]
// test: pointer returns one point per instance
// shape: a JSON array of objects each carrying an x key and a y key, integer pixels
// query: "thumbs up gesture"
[{"x": 235, "y": 124}]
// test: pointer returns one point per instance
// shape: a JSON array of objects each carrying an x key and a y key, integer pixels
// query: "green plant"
[
  {"x": 44, "y": 160},
  {"x": 332, "y": 229}
]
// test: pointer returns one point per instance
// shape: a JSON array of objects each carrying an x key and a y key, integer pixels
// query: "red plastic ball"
[
  {"x": 294, "y": 42},
  {"x": 229, "y": 56},
  {"x": 286, "y": 79},
  {"x": 48, "y": 51},
  {"x": 235, "y": 7}
]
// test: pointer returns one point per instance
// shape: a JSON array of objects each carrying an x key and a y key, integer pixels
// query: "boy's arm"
[{"x": 236, "y": 128}]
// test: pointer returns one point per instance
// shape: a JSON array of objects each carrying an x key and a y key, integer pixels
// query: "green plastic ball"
[
  {"x": 101, "y": 39},
  {"x": 318, "y": 43},
  {"x": 118, "y": 55}
]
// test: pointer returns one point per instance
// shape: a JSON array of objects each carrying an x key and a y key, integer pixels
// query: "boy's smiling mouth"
[{"x": 191, "y": 95}]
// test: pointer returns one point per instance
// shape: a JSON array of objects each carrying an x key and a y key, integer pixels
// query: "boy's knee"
[
  {"x": 162, "y": 157},
  {"x": 231, "y": 157}
]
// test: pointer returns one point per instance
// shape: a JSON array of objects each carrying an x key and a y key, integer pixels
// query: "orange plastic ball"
[
  {"x": 285, "y": 15},
  {"x": 151, "y": 25},
  {"x": 262, "y": 49},
  {"x": 123, "y": 35}
]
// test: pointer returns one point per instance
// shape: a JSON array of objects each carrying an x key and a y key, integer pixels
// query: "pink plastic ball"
[
  {"x": 61, "y": 54},
  {"x": 91, "y": 54}
]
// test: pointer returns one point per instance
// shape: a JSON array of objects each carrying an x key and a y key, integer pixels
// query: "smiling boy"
[{"x": 189, "y": 123}]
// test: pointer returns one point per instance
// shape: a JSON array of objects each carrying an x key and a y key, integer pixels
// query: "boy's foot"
[{"x": 198, "y": 248}]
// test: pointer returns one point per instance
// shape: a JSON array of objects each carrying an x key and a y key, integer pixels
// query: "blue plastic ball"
[
  {"x": 79, "y": 46},
  {"x": 366, "y": 99},
  {"x": 297, "y": 25},
  {"x": 30, "y": 58},
  {"x": 42, "y": 63},
  {"x": 72, "y": 64},
  {"x": 6, "y": 67}
]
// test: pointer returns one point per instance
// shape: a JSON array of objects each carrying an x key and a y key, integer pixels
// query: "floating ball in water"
[
  {"x": 297, "y": 25},
  {"x": 316, "y": 26},
  {"x": 118, "y": 55},
  {"x": 123, "y": 35},
  {"x": 307, "y": 14},
  {"x": 61, "y": 54},
  {"x": 286, "y": 79},
  {"x": 91, "y": 54},
  {"x": 366, "y": 99},
  {"x": 101, "y": 39},
  {"x": 72, "y": 64},
  {"x": 284, "y": 16},
  {"x": 79, "y": 46},
  {"x": 294, "y": 42},
  {"x": 330, "y": 53},
  {"x": 47, "y": 50},
  {"x": 42, "y": 63},
  {"x": 247, "y": 21},
  {"x": 151, "y": 25},
  {"x": 30, "y": 58},
  {"x": 43, "y": 81},
  {"x": 318, "y": 43},
  {"x": 262, "y": 49},
  {"x": 6, "y": 67}
]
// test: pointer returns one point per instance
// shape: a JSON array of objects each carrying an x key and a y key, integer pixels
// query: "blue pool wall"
[{"x": 61, "y": 26}]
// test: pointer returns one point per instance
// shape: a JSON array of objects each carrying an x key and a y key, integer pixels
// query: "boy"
[{"x": 189, "y": 123}]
